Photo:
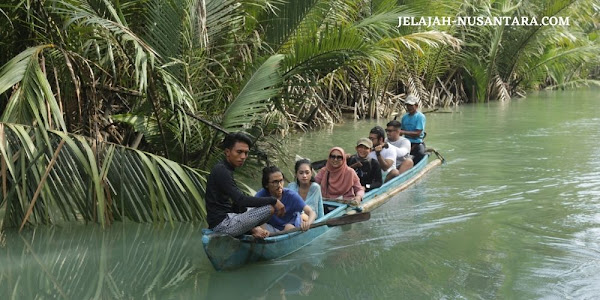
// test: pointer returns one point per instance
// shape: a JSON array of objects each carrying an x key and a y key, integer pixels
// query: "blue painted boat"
[{"x": 226, "y": 252}]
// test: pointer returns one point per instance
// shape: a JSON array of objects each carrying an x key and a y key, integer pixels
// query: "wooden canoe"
[{"x": 226, "y": 252}]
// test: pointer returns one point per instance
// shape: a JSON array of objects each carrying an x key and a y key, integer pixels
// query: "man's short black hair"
[
  {"x": 394, "y": 123},
  {"x": 235, "y": 137},
  {"x": 378, "y": 131},
  {"x": 266, "y": 172}
]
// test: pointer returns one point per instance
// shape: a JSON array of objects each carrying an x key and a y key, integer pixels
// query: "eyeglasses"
[
  {"x": 276, "y": 182},
  {"x": 336, "y": 157}
]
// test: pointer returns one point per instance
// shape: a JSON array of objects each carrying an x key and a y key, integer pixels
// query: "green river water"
[{"x": 513, "y": 214}]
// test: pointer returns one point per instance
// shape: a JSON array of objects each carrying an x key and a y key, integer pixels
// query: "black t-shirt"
[
  {"x": 223, "y": 196},
  {"x": 369, "y": 172}
]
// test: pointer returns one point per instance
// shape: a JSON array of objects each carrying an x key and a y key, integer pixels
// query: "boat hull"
[{"x": 226, "y": 252}]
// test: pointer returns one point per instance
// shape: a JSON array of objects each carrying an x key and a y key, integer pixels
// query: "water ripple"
[{"x": 481, "y": 190}]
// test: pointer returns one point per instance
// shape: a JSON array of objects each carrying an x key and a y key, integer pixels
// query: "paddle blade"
[{"x": 349, "y": 219}]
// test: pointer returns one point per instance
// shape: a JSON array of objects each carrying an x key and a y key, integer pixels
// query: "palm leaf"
[
  {"x": 331, "y": 49},
  {"x": 92, "y": 181},
  {"x": 34, "y": 95},
  {"x": 254, "y": 97},
  {"x": 525, "y": 39},
  {"x": 290, "y": 20},
  {"x": 82, "y": 13}
]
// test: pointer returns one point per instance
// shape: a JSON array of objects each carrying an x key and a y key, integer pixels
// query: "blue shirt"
[
  {"x": 293, "y": 204},
  {"x": 412, "y": 123}
]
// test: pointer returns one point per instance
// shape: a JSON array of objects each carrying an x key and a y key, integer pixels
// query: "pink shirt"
[{"x": 355, "y": 190}]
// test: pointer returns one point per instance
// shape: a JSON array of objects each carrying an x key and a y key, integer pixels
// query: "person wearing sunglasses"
[
  {"x": 367, "y": 169},
  {"x": 272, "y": 182},
  {"x": 339, "y": 181}
]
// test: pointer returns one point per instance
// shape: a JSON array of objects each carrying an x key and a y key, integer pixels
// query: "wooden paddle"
[
  {"x": 343, "y": 220},
  {"x": 439, "y": 155}
]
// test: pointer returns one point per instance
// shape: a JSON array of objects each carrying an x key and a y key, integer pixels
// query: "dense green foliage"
[{"x": 170, "y": 77}]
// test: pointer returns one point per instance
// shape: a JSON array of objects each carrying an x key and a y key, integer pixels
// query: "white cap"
[{"x": 412, "y": 100}]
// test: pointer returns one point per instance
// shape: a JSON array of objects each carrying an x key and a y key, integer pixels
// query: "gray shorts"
[{"x": 238, "y": 224}]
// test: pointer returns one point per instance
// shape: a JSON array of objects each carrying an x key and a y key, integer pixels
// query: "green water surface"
[{"x": 513, "y": 214}]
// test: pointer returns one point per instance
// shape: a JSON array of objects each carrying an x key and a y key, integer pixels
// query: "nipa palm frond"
[
  {"x": 254, "y": 97},
  {"x": 33, "y": 98},
  {"x": 76, "y": 179}
]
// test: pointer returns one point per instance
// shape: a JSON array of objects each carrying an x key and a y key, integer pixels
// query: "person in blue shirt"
[
  {"x": 413, "y": 128},
  {"x": 272, "y": 182}
]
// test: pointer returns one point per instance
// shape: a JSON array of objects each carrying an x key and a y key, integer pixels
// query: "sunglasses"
[
  {"x": 336, "y": 157},
  {"x": 276, "y": 182}
]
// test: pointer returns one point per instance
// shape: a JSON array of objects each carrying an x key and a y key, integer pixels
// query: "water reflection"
[
  {"x": 141, "y": 261},
  {"x": 279, "y": 279},
  {"x": 86, "y": 262}
]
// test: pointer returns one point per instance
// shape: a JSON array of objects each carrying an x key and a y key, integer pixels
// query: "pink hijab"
[{"x": 340, "y": 179}]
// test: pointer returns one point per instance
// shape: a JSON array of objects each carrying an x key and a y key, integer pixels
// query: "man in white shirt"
[
  {"x": 403, "y": 159},
  {"x": 384, "y": 153}
]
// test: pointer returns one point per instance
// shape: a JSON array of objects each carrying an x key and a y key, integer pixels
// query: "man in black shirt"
[
  {"x": 226, "y": 205},
  {"x": 367, "y": 169}
]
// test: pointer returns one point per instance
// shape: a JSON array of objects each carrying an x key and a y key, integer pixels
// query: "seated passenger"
[
  {"x": 403, "y": 158},
  {"x": 226, "y": 205},
  {"x": 367, "y": 169},
  {"x": 272, "y": 182},
  {"x": 384, "y": 153},
  {"x": 306, "y": 186},
  {"x": 337, "y": 180}
]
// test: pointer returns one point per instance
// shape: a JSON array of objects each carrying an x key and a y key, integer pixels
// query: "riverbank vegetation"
[{"x": 159, "y": 82}]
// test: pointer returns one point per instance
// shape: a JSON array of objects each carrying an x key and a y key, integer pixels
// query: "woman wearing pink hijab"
[{"x": 337, "y": 180}]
